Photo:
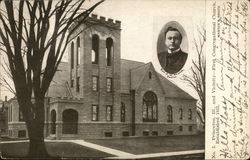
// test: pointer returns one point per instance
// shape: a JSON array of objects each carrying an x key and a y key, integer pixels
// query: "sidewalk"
[
  {"x": 159, "y": 155},
  {"x": 125, "y": 155},
  {"x": 101, "y": 148},
  {"x": 118, "y": 154}
]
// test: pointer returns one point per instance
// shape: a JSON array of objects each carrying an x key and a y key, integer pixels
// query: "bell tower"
[{"x": 94, "y": 61}]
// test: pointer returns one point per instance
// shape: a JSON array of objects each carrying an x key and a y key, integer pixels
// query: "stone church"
[{"x": 96, "y": 94}]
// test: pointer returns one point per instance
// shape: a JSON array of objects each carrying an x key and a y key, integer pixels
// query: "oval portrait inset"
[{"x": 172, "y": 47}]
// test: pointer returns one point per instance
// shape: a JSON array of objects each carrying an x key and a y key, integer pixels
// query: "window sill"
[{"x": 150, "y": 120}]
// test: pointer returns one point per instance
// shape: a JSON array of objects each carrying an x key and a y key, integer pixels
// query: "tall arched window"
[
  {"x": 70, "y": 121},
  {"x": 189, "y": 114},
  {"x": 180, "y": 113},
  {"x": 123, "y": 112},
  {"x": 72, "y": 55},
  {"x": 169, "y": 114},
  {"x": 109, "y": 51},
  {"x": 150, "y": 109},
  {"x": 78, "y": 53},
  {"x": 21, "y": 118},
  {"x": 53, "y": 122},
  {"x": 95, "y": 49}
]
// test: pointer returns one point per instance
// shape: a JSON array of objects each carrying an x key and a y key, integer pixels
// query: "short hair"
[{"x": 173, "y": 29}]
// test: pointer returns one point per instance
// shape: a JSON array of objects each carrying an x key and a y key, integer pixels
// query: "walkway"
[
  {"x": 101, "y": 148},
  {"x": 158, "y": 155},
  {"x": 118, "y": 153},
  {"x": 125, "y": 155}
]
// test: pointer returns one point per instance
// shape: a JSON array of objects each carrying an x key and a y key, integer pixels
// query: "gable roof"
[
  {"x": 1, "y": 103},
  {"x": 172, "y": 90},
  {"x": 126, "y": 66},
  {"x": 137, "y": 75},
  {"x": 58, "y": 84},
  {"x": 132, "y": 74}
]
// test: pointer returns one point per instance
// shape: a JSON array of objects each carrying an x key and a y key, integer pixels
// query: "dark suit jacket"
[{"x": 172, "y": 63}]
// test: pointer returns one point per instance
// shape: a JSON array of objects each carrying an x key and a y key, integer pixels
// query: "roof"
[
  {"x": 173, "y": 90},
  {"x": 137, "y": 75},
  {"x": 126, "y": 66},
  {"x": 132, "y": 74},
  {"x": 1, "y": 103},
  {"x": 137, "y": 71},
  {"x": 58, "y": 84}
]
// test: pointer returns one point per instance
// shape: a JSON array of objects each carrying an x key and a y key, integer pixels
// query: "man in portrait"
[{"x": 173, "y": 59}]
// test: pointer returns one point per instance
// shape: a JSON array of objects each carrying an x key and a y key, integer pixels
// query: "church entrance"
[{"x": 70, "y": 121}]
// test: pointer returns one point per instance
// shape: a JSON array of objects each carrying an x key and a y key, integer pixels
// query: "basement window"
[
  {"x": 21, "y": 134},
  {"x": 108, "y": 134},
  {"x": 125, "y": 134},
  {"x": 154, "y": 133},
  {"x": 145, "y": 133},
  {"x": 170, "y": 133}
]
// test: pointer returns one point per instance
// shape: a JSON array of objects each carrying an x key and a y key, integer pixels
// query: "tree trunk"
[
  {"x": 35, "y": 126},
  {"x": 37, "y": 146},
  {"x": 204, "y": 110}
]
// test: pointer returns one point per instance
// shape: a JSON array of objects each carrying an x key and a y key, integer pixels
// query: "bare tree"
[
  {"x": 196, "y": 79},
  {"x": 34, "y": 38}
]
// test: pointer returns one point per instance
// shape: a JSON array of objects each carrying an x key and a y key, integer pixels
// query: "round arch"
[
  {"x": 95, "y": 49},
  {"x": 78, "y": 57},
  {"x": 109, "y": 51},
  {"x": 70, "y": 121},
  {"x": 53, "y": 122},
  {"x": 150, "y": 107},
  {"x": 170, "y": 113}
]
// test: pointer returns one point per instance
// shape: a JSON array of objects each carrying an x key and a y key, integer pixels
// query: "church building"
[{"x": 96, "y": 94}]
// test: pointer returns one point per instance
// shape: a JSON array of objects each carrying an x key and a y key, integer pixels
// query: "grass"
[
  {"x": 55, "y": 149},
  {"x": 184, "y": 157},
  {"x": 134, "y": 145},
  {"x": 145, "y": 145},
  {"x": 6, "y": 138}
]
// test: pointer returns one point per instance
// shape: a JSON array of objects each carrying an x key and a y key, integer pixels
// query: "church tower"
[{"x": 94, "y": 61}]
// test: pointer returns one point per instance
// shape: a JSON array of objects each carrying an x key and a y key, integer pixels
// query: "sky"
[
  {"x": 143, "y": 20},
  {"x": 141, "y": 23},
  {"x": 139, "y": 17}
]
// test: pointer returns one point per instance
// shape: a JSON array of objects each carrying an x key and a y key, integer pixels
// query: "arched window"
[
  {"x": 95, "y": 49},
  {"x": 10, "y": 113},
  {"x": 70, "y": 121},
  {"x": 53, "y": 122},
  {"x": 189, "y": 114},
  {"x": 149, "y": 75},
  {"x": 109, "y": 113},
  {"x": 123, "y": 112},
  {"x": 78, "y": 84},
  {"x": 78, "y": 57},
  {"x": 150, "y": 109},
  {"x": 169, "y": 114},
  {"x": 109, "y": 51},
  {"x": 95, "y": 112},
  {"x": 180, "y": 113},
  {"x": 72, "y": 55},
  {"x": 21, "y": 118}
]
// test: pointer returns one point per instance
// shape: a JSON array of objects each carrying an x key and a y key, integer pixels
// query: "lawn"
[
  {"x": 145, "y": 145},
  {"x": 6, "y": 138},
  {"x": 134, "y": 145},
  {"x": 55, "y": 149}
]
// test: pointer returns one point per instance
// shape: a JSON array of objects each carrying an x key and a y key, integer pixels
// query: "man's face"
[{"x": 173, "y": 40}]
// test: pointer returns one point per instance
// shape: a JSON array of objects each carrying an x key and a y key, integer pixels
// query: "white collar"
[{"x": 171, "y": 52}]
